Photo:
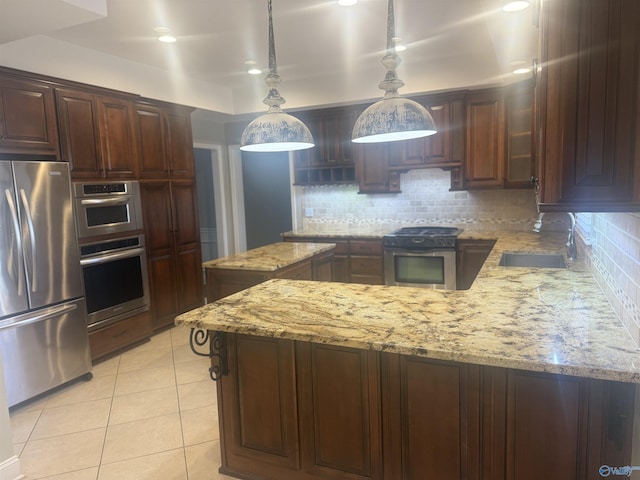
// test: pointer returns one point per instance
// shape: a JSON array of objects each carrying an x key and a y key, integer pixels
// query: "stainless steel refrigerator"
[{"x": 43, "y": 332}]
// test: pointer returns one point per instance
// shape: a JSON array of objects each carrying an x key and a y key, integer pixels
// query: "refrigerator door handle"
[
  {"x": 32, "y": 237},
  {"x": 16, "y": 227},
  {"x": 28, "y": 319}
]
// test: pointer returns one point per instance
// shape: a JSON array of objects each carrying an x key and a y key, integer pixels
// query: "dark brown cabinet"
[
  {"x": 485, "y": 148},
  {"x": 258, "y": 410},
  {"x": 27, "y": 117},
  {"x": 373, "y": 167},
  {"x": 378, "y": 166},
  {"x": 588, "y": 95},
  {"x": 355, "y": 260},
  {"x": 165, "y": 140},
  {"x": 174, "y": 261},
  {"x": 331, "y": 161},
  {"x": 470, "y": 256},
  {"x": 430, "y": 427},
  {"x": 445, "y": 148},
  {"x": 300, "y": 410},
  {"x": 97, "y": 135},
  {"x": 297, "y": 411}
]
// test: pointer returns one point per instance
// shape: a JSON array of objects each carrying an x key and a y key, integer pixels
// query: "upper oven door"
[
  {"x": 107, "y": 208},
  {"x": 425, "y": 269}
]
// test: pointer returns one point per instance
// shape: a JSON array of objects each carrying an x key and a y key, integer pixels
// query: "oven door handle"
[
  {"x": 105, "y": 201},
  {"x": 109, "y": 257}
]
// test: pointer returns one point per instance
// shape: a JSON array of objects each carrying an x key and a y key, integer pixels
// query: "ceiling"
[{"x": 326, "y": 54}]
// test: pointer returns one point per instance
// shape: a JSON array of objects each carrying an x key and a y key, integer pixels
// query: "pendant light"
[
  {"x": 394, "y": 117},
  {"x": 275, "y": 131}
]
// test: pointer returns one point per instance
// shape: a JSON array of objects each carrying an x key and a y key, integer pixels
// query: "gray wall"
[{"x": 267, "y": 197}]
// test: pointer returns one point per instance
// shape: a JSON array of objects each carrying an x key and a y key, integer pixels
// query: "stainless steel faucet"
[
  {"x": 538, "y": 225},
  {"x": 572, "y": 251}
]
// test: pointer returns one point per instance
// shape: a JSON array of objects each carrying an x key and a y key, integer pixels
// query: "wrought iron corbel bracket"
[{"x": 217, "y": 342}]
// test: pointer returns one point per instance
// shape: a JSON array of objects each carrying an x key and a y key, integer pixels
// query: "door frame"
[{"x": 221, "y": 196}]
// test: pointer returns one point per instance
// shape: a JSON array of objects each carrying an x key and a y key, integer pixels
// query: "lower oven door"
[
  {"x": 434, "y": 268},
  {"x": 115, "y": 284}
]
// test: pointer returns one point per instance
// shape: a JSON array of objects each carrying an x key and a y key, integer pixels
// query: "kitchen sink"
[{"x": 534, "y": 260}]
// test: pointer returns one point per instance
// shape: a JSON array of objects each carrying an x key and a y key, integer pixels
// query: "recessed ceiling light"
[
  {"x": 253, "y": 70},
  {"x": 347, "y": 3},
  {"x": 161, "y": 29},
  {"x": 515, "y": 6},
  {"x": 167, "y": 39},
  {"x": 399, "y": 46}
]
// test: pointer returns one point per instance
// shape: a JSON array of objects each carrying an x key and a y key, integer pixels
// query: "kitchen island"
[
  {"x": 526, "y": 375},
  {"x": 298, "y": 261}
]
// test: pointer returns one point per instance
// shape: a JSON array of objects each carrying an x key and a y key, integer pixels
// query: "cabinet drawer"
[
  {"x": 119, "y": 335},
  {"x": 367, "y": 266},
  {"x": 366, "y": 247}
]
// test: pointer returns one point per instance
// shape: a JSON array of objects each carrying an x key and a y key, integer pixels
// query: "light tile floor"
[{"x": 147, "y": 414}]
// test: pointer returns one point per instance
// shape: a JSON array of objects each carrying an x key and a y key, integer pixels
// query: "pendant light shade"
[
  {"x": 275, "y": 131},
  {"x": 394, "y": 117}
]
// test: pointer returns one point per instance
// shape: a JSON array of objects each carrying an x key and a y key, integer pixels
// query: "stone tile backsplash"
[
  {"x": 426, "y": 199},
  {"x": 615, "y": 262}
]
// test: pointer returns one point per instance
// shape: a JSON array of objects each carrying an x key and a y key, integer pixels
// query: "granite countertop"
[
  {"x": 270, "y": 258},
  {"x": 552, "y": 320}
]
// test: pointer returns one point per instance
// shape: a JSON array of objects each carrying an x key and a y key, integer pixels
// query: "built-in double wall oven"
[{"x": 112, "y": 250}]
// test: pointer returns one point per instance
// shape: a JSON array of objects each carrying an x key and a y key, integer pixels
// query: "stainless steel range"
[{"x": 421, "y": 256}]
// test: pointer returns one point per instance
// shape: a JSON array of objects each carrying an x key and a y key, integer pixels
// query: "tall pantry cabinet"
[{"x": 170, "y": 210}]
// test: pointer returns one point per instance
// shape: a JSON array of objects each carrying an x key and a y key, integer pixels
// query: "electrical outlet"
[{"x": 308, "y": 212}]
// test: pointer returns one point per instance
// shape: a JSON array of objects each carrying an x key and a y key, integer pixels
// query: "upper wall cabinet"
[
  {"x": 97, "y": 135},
  {"x": 379, "y": 166},
  {"x": 331, "y": 161},
  {"x": 27, "y": 117},
  {"x": 588, "y": 97},
  {"x": 499, "y": 137},
  {"x": 445, "y": 148},
  {"x": 165, "y": 140}
]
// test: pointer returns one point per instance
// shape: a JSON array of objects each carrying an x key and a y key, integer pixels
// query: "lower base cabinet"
[
  {"x": 117, "y": 336},
  {"x": 299, "y": 410}
]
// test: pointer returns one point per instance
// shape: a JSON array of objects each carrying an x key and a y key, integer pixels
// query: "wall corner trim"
[{"x": 10, "y": 469}]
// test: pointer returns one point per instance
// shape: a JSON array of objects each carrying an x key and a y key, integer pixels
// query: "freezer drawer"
[{"x": 44, "y": 349}]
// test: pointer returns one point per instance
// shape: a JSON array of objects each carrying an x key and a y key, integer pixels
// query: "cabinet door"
[
  {"x": 484, "y": 162},
  {"x": 589, "y": 91},
  {"x": 79, "y": 135},
  {"x": 117, "y": 137},
  {"x": 163, "y": 286},
  {"x": 430, "y": 424},
  {"x": 259, "y": 420},
  {"x": 27, "y": 118},
  {"x": 157, "y": 216},
  {"x": 519, "y": 118},
  {"x": 546, "y": 427},
  {"x": 338, "y": 393},
  {"x": 186, "y": 233},
  {"x": 432, "y": 150},
  {"x": 151, "y": 129},
  {"x": 372, "y": 169},
  {"x": 181, "y": 163}
]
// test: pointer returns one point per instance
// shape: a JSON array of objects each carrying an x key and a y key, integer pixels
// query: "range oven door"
[
  {"x": 115, "y": 280},
  {"x": 433, "y": 268}
]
